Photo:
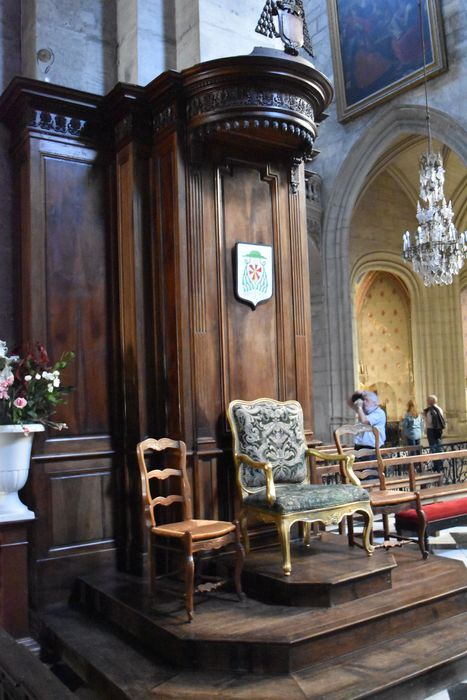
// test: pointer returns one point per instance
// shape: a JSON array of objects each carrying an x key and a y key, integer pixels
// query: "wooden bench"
[
  {"x": 429, "y": 483},
  {"x": 438, "y": 499}
]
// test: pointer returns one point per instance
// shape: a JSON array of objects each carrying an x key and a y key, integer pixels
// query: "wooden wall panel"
[
  {"x": 66, "y": 292},
  {"x": 85, "y": 500},
  {"x": 76, "y": 285},
  {"x": 252, "y": 338}
]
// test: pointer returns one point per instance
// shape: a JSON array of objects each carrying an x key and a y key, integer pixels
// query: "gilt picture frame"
[{"x": 377, "y": 50}]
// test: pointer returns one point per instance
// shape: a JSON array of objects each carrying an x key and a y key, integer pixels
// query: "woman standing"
[{"x": 412, "y": 424}]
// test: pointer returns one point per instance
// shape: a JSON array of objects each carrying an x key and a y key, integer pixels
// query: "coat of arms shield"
[{"x": 254, "y": 273}]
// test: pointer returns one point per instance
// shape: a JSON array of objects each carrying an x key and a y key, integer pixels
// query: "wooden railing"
[{"x": 404, "y": 468}]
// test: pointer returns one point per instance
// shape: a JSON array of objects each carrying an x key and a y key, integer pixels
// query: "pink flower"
[
  {"x": 20, "y": 402},
  {"x": 4, "y": 390}
]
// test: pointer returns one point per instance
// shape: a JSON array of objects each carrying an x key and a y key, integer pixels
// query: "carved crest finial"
[{"x": 292, "y": 27}]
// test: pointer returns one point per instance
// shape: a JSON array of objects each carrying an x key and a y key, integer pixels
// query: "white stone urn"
[{"x": 15, "y": 457}]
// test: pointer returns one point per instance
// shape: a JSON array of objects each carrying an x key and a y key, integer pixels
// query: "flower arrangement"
[{"x": 30, "y": 386}]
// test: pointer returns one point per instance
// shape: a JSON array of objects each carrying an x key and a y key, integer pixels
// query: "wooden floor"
[{"x": 403, "y": 642}]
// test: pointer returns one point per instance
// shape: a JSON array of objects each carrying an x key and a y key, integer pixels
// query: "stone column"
[
  {"x": 146, "y": 39},
  {"x": 209, "y": 29}
]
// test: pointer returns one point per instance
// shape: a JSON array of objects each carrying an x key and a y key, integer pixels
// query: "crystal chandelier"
[{"x": 438, "y": 251}]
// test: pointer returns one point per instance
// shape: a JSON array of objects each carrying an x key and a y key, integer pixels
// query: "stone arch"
[
  {"x": 383, "y": 131},
  {"x": 414, "y": 287}
]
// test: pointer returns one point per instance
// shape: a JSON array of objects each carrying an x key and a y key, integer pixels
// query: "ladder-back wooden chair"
[
  {"x": 187, "y": 536},
  {"x": 383, "y": 501},
  {"x": 273, "y": 474}
]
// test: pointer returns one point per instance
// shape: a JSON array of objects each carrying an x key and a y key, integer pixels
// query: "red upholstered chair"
[{"x": 187, "y": 536}]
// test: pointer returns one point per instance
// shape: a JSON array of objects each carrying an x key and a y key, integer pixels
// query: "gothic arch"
[
  {"x": 383, "y": 131},
  {"x": 394, "y": 265}
]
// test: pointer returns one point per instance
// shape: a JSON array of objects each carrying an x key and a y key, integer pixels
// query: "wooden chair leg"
[
  {"x": 189, "y": 575},
  {"x": 284, "y": 536},
  {"x": 152, "y": 566},
  {"x": 239, "y": 560},
  {"x": 350, "y": 530},
  {"x": 307, "y": 534},
  {"x": 422, "y": 539}
]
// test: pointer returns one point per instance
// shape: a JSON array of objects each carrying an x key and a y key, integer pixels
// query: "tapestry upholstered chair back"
[
  {"x": 271, "y": 432},
  {"x": 272, "y": 473}
]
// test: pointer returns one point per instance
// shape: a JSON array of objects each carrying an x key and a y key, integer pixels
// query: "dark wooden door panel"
[
  {"x": 76, "y": 286},
  {"x": 250, "y": 352}
]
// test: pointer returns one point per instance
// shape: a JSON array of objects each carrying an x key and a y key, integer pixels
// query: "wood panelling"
[
  {"x": 129, "y": 209},
  {"x": 76, "y": 284},
  {"x": 65, "y": 302},
  {"x": 248, "y": 213},
  {"x": 85, "y": 498}
]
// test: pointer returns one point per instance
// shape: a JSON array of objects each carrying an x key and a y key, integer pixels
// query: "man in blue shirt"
[{"x": 369, "y": 412}]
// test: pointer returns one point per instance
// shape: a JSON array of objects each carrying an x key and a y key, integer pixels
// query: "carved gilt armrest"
[
  {"x": 347, "y": 461},
  {"x": 264, "y": 466}
]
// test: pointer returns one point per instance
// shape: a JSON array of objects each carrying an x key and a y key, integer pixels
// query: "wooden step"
[
  {"x": 327, "y": 573},
  {"x": 261, "y": 638},
  {"x": 415, "y": 665}
]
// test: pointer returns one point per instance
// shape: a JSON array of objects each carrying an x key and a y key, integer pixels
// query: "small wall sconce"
[{"x": 45, "y": 58}]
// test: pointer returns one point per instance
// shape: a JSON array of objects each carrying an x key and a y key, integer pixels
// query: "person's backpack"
[{"x": 437, "y": 419}]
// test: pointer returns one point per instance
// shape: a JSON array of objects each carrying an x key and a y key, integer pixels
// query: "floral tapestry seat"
[{"x": 273, "y": 473}]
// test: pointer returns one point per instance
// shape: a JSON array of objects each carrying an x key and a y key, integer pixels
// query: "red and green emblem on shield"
[{"x": 254, "y": 273}]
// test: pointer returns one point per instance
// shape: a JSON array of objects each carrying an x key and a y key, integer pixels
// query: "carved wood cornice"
[
  {"x": 262, "y": 97},
  {"x": 30, "y": 105}
]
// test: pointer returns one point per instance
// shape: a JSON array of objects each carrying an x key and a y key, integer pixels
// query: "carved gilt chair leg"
[
  {"x": 386, "y": 528},
  {"x": 368, "y": 532},
  {"x": 189, "y": 575},
  {"x": 244, "y": 529},
  {"x": 284, "y": 536},
  {"x": 239, "y": 560},
  {"x": 307, "y": 534}
]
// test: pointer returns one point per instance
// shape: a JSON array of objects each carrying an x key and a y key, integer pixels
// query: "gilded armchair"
[{"x": 273, "y": 474}]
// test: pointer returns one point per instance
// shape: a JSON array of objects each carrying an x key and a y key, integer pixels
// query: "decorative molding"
[
  {"x": 198, "y": 269},
  {"x": 167, "y": 117},
  {"x": 56, "y": 123},
  {"x": 124, "y": 127},
  {"x": 247, "y": 97},
  {"x": 297, "y": 267},
  {"x": 295, "y": 175},
  {"x": 314, "y": 211}
]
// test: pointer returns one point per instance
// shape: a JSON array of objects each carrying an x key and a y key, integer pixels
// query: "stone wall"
[{"x": 347, "y": 152}]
